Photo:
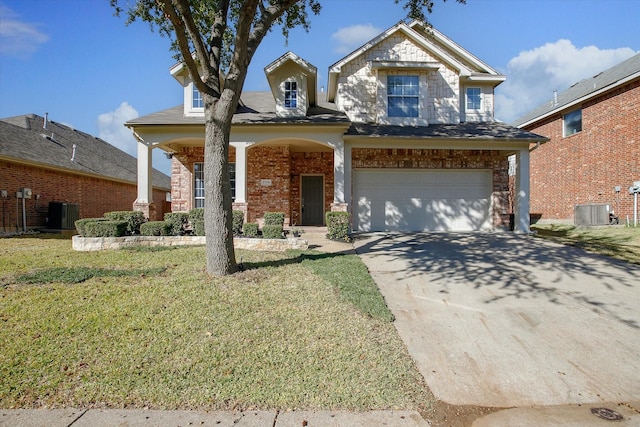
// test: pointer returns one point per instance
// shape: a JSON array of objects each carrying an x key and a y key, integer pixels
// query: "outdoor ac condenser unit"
[
  {"x": 63, "y": 216},
  {"x": 594, "y": 214}
]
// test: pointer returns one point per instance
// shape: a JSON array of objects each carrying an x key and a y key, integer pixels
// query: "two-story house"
[{"x": 404, "y": 138}]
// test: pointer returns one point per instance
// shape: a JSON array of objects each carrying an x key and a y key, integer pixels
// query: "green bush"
[
  {"x": 198, "y": 227},
  {"x": 177, "y": 222},
  {"x": 338, "y": 226},
  {"x": 156, "y": 228},
  {"x": 274, "y": 218},
  {"x": 134, "y": 220},
  {"x": 238, "y": 222},
  {"x": 250, "y": 229},
  {"x": 81, "y": 223},
  {"x": 196, "y": 214},
  {"x": 272, "y": 232},
  {"x": 105, "y": 228}
]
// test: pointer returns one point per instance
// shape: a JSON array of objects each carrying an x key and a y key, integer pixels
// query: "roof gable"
[
  {"x": 431, "y": 41},
  {"x": 293, "y": 64}
]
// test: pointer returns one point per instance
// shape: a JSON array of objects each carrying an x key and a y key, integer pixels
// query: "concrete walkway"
[{"x": 512, "y": 321}]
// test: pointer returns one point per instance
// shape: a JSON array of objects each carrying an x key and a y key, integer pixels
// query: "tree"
[{"x": 216, "y": 40}]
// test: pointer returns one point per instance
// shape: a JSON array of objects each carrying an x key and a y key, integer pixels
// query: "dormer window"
[
  {"x": 403, "y": 96},
  {"x": 196, "y": 100},
  {"x": 290, "y": 94}
]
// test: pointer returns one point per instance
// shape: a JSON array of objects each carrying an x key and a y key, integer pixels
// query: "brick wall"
[
  {"x": 94, "y": 195},
  {"x": 315, "y": 164},
  {"x": 445, "y": 159},
  {"x": 268, "y": 164},
  {"x": 586, "y": 166}
]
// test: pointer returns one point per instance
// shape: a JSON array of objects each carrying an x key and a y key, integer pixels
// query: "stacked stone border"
[{"x": 87, "y": 244}]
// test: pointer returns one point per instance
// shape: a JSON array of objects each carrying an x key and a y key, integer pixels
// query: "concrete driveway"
[{"x": 512, "y": 321}]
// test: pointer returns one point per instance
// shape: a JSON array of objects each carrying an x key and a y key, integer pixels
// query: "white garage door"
[{"x": 422, "y": 200}]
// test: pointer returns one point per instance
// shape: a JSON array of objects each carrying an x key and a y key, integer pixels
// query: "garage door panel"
[{"x": 410, "y": 200}]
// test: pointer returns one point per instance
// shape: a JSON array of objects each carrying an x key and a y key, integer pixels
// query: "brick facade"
[
  {"x": 445, "y": 159},
  {"x": 585, "y": 167},
  {"x": 95, "y": 196}
]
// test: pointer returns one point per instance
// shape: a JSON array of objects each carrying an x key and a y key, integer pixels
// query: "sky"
[{"x": 78, "y": 62}]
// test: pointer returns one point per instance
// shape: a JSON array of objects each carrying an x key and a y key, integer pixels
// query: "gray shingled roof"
[
  {"x": 606, "y": 80},
  {"x": 254, "y": 108},
  {"x": 24, "y": 138},
  {"x": 469, "y": 130}
]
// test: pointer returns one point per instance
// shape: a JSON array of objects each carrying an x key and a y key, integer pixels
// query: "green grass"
[
  {"x": 299, "y": 330},
  {"x": 619, "y": 242}
]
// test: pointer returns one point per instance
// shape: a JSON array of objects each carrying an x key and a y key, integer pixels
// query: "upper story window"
[
  {"x": 572, "y": 122},
  {"x": 403, "y": 96},
  {"x": 290, "y": 94},
  {"x": 196, "y": 101},
  {"x": 474, "y": 98}
]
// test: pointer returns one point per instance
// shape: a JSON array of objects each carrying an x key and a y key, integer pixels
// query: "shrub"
[
  {"x": 338, "y": 226},
  {"x": 134, "y": 220},
  {"x": 105, "y": 228},
  {"x": 274, "y": 218},
  {"x": 198, "y": 227},
  {"x": 250, "y": 229},
  {"x": 238, "y": 222},
  {"x": 272, "y": 232},
  {"x": 156, "y": 228},
  {"x": 177, "y": 222},
  {"x": 81, "y": 223},
  {"x": 196, "y": 214}
]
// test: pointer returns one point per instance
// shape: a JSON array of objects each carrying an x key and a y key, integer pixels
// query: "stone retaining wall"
[{"x": 100, "y": 243}]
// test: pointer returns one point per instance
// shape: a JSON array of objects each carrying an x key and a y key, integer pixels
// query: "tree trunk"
[{"x": 218, "y": 215}]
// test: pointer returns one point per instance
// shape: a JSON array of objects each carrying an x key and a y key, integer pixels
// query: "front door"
[{"x": 312, "y": 202}]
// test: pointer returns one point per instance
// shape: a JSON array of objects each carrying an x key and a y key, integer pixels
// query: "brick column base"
[
  {"x": 241, "y": 206},
  {"x": 148, "y": 209}
]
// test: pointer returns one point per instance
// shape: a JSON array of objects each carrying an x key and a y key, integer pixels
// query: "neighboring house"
[
  {"x": 593, "y": 153},
  {"x": 404, "y": 138},
  {"x": 61, "y": 164}
]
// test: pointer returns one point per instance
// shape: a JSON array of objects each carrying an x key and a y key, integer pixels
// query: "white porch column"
[
  {"x": 145, "y": 166},
  {"x": 241, "y": 173},
  {"x": 338, "y": 173},
  {"x": 521, "y": 217}
]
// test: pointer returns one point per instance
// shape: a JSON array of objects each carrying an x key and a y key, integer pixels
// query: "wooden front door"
[{"x": 312, "y": 202}]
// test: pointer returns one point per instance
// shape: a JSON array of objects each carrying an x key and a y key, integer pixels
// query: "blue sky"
[{"x": 76, "y": 61}]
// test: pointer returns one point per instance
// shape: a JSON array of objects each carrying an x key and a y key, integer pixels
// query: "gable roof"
[
  {"x": 430, "y": 39},
  {"x": 584, "y": 90},
  {"x": 310, "y": 70},
  {"x": 25, "y": 139}
]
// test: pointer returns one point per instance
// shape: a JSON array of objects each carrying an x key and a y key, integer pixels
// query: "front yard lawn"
[
  {"x": 615, "y": 241},
  {"x": 148, "y": 328}
]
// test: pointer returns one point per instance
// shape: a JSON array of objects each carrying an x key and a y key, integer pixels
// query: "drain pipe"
[{"x": 24, "y": 213}]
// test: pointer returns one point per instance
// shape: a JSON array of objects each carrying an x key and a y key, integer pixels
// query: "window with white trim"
[
  {"x": 198, "y": 183},
  {"x": 474, "y": 99},
  {"x": 403, "y": 96},
  {"x": 290, "y": 94},
  {"x": 572, "y": 122},
  {"x": 196, "y": 100}
]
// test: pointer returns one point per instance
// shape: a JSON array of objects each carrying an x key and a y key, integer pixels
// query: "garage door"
[{"x": 420, "y": 200}]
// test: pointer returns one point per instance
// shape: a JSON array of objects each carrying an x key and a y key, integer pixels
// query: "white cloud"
[
  {"x": 18, "y": 38},
  {"x": 350, "y": 38},
  {"x": 533, "y": 75},
  {"x": 111, "y": 128}
]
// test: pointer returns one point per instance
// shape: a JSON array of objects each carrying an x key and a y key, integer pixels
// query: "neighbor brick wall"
[
  {"x": 445, "y": 159},
  {"x": 585, "y": 167},
  {"x": 94, "y": 195}
]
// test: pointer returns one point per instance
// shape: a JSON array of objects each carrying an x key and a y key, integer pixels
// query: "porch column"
[
  {"x": 241, "y": 173},
  {"x": 240, "y": 202},
  {"x": 340, "y": 177},
  {"x": 144, "y": 202},
  {"x": 521, "y": 217}
]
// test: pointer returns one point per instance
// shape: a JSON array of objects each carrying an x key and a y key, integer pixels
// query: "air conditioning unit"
[
  {"x": 593, "y": 214},
  {"x": 63, "y": 216}
]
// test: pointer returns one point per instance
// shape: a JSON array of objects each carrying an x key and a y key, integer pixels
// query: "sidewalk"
[{"x": 146, "y": 418}]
